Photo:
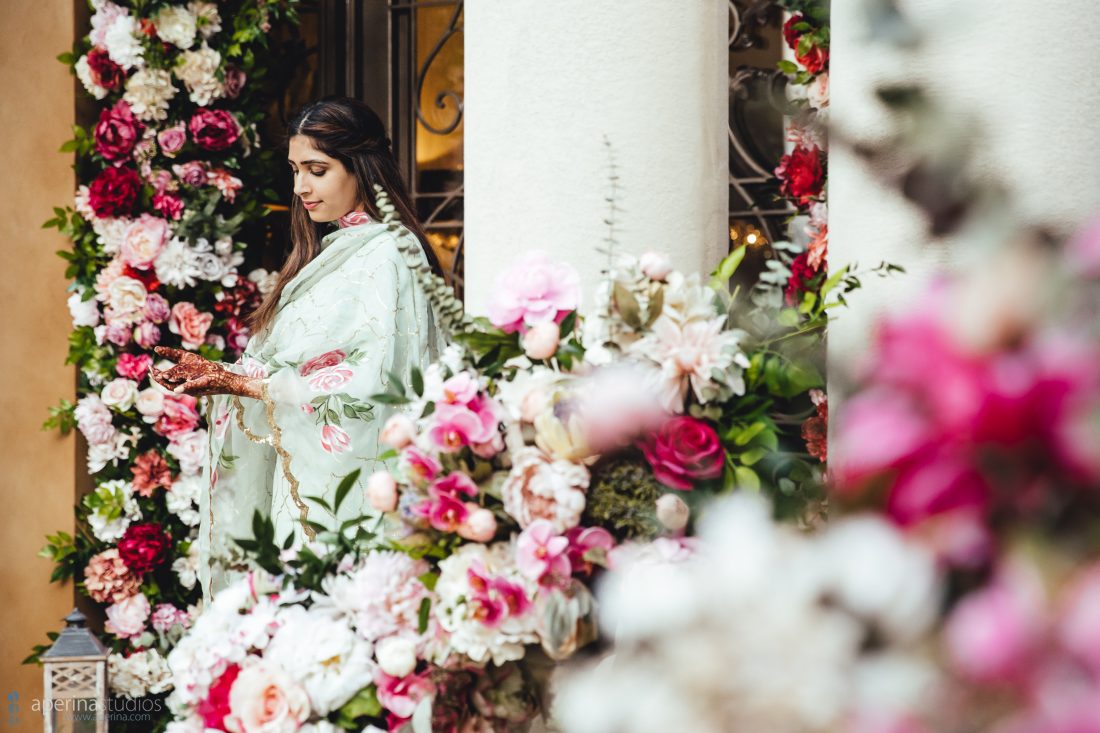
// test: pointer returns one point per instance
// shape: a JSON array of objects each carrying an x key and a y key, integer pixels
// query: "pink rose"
[
  {"x": 327, "y": 359},
  {"x": 382, "y": 491},
  {"x": 193, "y": 173},
  {"x": 534, "y": 290},
  {"x": 117, "y": 131},
  {"x": 398, "y": 431},
  {"x": 334, "y": 440},
  {"x": 133, "y": 366},
  {"x": 190, "y": 324},
  {"x": 329, "y": 379},
  {"x": 146, "y": 335},
  {"x": 683, "y": 451},
  {"x": 214, "y": 129},
  {"x": 172, "y": 139},
  {"x": 169, "y": 205},
  {"x": 126, "y": 619},
  {"x": 143, "y": 240},
  {"x": 265, "y": 699},
  {"x": 179, "y": 416}
]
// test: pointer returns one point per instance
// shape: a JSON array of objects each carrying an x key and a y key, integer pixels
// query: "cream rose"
[
  {"x": 265, "y": 699},
  {"x": 150, "y": 403},
  {"x": 126, "y": 295},
  {"x": 120, "y": 394}
]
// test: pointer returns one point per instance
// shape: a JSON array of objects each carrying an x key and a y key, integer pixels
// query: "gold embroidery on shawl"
[{"x": 275, "y": 441}]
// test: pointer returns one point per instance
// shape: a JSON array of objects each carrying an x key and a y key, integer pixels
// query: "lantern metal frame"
[{"x": 75, "y": 668}]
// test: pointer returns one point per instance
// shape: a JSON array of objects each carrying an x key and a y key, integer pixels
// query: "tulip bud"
[
  {"x": 655, "y": 265},
  {"x": 398, "y": 431},
  {"x": 382, "y": 491},
  {"x": 541, "y": 341},
  {"x": 672, "y": 512}
]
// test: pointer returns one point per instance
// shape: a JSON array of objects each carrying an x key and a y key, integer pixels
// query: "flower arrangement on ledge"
[
  {"x": 169, "y": 179},
  {"x": 539, "y": 451}
]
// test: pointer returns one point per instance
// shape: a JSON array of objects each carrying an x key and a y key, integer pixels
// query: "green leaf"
[
  {"x": 320, "y": 500},
  {"x": 627, "y": 305},
  {"x": 722, "y": 274},
  {"x": 343, "y": 489},
  {"x": 416, "y": 379},
  {"x": 425, "y": 610},
  {"x": 753, "y": 455},
  {"x": 567, "y": 324},
  {"x": 364, "y": 705},
  {"x": 788, "y": 67},
  {"x": 389, "y": 399},
  {"x": 746, "y": 478}
]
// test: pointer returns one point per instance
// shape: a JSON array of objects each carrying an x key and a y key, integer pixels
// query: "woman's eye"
[{"x": 317, "y": 173}]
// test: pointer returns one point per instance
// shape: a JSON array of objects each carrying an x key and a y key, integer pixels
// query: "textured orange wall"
[{"x": 36, "y": 468}]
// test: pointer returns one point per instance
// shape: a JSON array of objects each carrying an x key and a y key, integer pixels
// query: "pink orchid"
[
  {"x": 401, "y": 695},
  {"x": 460, "y": 389},
  {"x": 583, "y": 539},
  {"x": 541, "y": 554},
  {"x": 454, "y": 485},
  {"x": 421, "y": 467},
  {"x": 446, "y": 513},
  {"x": 455, "y": 426}
]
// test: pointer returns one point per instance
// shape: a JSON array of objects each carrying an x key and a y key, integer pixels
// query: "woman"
[{"x": 292, "y": 417}]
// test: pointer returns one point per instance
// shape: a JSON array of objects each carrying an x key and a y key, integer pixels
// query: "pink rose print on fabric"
[
  {"x": 334, "y": 440},
  {"x": 329, "y": 358}
]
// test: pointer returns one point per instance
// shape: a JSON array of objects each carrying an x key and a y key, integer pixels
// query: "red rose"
[
  {"x": 105, "y": 73},
  {"x": 815, "y": 60},
  {"x": 143, "y": 547},
  {"x": 114, "y": 192},
  {"x": 214, "y": 129},
  {"x": 798, "y": 283},
  {"x": 790, "y": 34},
  {"x": 802, "y": 174},
  {"x": 683, "y": 451},
  {"x": 117, "y": 131}
]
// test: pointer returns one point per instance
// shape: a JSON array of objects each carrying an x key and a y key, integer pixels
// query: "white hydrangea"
[
  {"x": 320, "y": 650},
  {"x": 175, "y": 25},
  {"x": 113, "y": 496},
  {"x": 186, "y": 567},
  {"x": 123, "y": 44},
  {"x": 148, "y": 93},
  {"x": 110, "y": 232},
  {"x": 140, "y": 674},
  {"x": 206, "y": 17},
  {"x": 182, "y": 499},
  {"x": 455, "y": 613},
  {"x": 198, "y": 72},
  {"x": 84, "y": 73}
]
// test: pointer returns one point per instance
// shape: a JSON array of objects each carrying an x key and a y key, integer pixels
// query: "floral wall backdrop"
[{"x": 174, "y": 180}]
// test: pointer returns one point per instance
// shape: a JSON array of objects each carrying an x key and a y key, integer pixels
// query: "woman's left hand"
[{"x": 200, "y": 377}]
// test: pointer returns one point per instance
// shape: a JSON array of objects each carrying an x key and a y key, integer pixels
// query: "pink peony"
[
  {"x": 541, "y": 554},
  {"x": 144, "y": 547},
  {"x": 683, "y": 451},
  {"x": 190, "y": 324},
  {"x": 540, "y": 488},
  {"x": 265, "y": 699},
  {"x": 334, "y": 440},
  {"x": 156, "y": 308},
  {"x": 133, "y": 366},
  {"x": 534, "y": 290},
  {"x": 143, "y": 240},
  {"x": 146, "y": 335},
  {"x": 165, "y": 616},
  {"x": 117, "y": 131},
  {"x": 126, "y": 618},
  {"x": 172, "y": 139},
  {"x": 214, "y": 129},
  {"x": 108, "y": 580},
  {"x": 179, "y": 416},
  {"x": 114, "y": 192},
  {"x": 327, "y": 359}
]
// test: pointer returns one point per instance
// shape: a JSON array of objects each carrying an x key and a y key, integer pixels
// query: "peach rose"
[
  {"x": 190, "y": 324},
  {"x": 265, "y": 699}
]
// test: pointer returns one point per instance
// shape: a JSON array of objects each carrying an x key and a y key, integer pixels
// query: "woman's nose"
[{"x": 300, "y": 187}]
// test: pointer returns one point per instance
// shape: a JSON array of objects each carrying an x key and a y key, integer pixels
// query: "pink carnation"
[
  {"x": 534, "y": 290},
  {"x": 133, "y": 366},
  {"x": 108, "y": 580}
]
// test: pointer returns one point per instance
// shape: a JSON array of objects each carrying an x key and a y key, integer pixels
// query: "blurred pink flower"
[
  {"x": 542, "y": 554},
  {"x": 534, "y": 290},
  {"x": 401, "y": 695}
]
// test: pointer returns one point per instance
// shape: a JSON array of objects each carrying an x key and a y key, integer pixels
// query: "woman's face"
[{"x": 326, "y": 188}]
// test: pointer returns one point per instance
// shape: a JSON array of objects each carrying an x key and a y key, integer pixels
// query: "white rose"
[
  {"x": 126, "y": 295},
  {"x": 210, "y": 267},
  {"x": 176, "y": 26},
  {"x": 120, "y": 394},
  {"x": 396, "y": 656},
  {"x": 150, "y": 403}
]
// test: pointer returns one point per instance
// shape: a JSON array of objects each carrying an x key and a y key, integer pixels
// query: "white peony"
[
  {"x": 325, "y": 656},
  {"x": 83, "y": 312},
  {"x": 540, "y": 487},
  {"x": 380, "y": 597},
  {"x": 84, "y": 73},
  {"x": 148, "y": 93},
  {"x": 198, "y": 72},
  {"x": 183, "y": 497},
  {"x": 113, "y": 451},
  {"x": 175, "y": 25},
  {"x": 123, "y": 44},
  {"x": 190, "y": 450},
  {"x": 186, "y": 567},
  {"x": 126, "y": 296},
  {"x": 110, "y": 233},
  {"x": 177, "y": 264},
  {"x": 206, "y": 17},
  {"x": 140, "y": 674}
]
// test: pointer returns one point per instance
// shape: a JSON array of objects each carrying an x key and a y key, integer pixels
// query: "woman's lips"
[{"x": 311, "y": 205}]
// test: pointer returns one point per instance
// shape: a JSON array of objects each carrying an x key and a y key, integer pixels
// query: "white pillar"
[
  {"x": 545, "y": 83},
  {"x": 1021, "y": 73}
]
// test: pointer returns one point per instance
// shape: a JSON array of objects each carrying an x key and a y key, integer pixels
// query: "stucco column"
[
  {"x": 1020, "y": 75},
  {"x": 546, "y": 83}
]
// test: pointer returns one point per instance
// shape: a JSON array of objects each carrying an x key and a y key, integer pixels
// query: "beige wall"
[{"x": 36, "y": 468}]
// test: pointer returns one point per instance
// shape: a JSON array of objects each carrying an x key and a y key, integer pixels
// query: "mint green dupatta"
[{"x": 351, "y": 317}]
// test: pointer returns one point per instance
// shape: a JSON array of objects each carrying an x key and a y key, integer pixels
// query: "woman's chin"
[{"x": 319, "y": 217}]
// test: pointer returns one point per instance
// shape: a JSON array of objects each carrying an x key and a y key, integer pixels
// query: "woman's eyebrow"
[{"x": 308, "y": 162}]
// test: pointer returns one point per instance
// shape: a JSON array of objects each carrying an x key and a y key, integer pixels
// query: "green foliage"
[{"x": 622, "y": 496}]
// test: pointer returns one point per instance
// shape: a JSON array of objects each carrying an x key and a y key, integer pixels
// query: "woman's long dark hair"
[{"x": 349, "y": 131}]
